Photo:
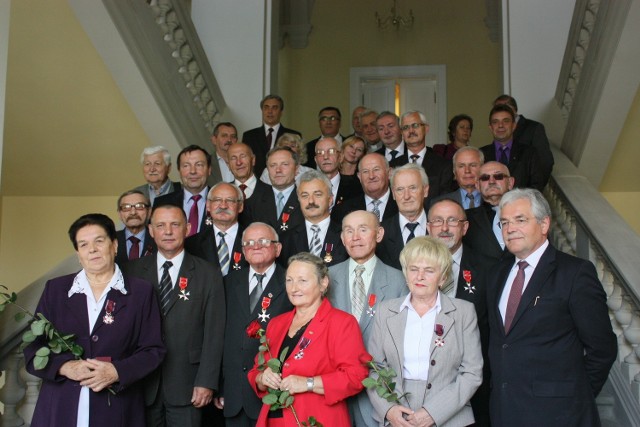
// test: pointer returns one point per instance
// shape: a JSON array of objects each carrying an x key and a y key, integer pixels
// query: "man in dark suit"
[
  {"x": 252, "y": 299},
  {"x": 329, "y": 119},
  {"x": 532, "y": 133},
  {"x": 359, "y": 285},
  {"x": 484, "y": 234},
  {"x": 263, "y": 138},
  {"x": 447, "y": 223},
  {"x": 278, "y": 206},
  {"x": 467, "y": 162},
  {"x": 522, "y": 160},
  {"x": 410, "y": 186},
  {"x": 317, "y": 234},
  {"x": 370, "y": 130},
  {"x": 414, "y": 132},
  {"x": 220, "y": 243},
  {"x": 343, "y": 187},
  {"x": 373, "y": 173},
  {"x": 134, "y": 240},
  {"x": 194, "y": 164},
  {"x": 551, "y": 343},
  {"x": 388, "y": 125},
  {"x": 156, "y": 165},
  {"x": 190, "y": 292}
]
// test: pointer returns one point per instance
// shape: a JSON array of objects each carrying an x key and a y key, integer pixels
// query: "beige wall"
[{"x": 345, "y": 35}]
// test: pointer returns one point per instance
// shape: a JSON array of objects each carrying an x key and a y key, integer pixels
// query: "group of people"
[{"x": 343, "y": 252}]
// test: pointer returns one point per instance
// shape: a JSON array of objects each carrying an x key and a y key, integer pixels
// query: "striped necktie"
[
  {"x": 166, "y": 286},
  {"x": 223, "y": 254},
  {"x": 357, "y": 298},
  {"x": 316, "y": 246}
]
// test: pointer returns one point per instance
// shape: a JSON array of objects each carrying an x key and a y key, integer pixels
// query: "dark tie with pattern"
[
  {"x": 393, "y": 153},
  {"x": 514, "y": 296},
  {"x": 376, "y": 208},
  {"x": 503, "y": 156},
  {"x": 134, "y": 252},
  {"x": 411, "y": 226},
  {"x": 472, "y": 201},
  {"x": 165, "y": 287},
  {"x": 254, "y": 296},
  {"x": 223, "y": 253},
  {"x": 242, "y": 188},
  {"x": 316, "y": 245},
  {"x": 414, "y": 158},
  {"x": 193, "y": 215},
  {"x": 269, "y": 138}
]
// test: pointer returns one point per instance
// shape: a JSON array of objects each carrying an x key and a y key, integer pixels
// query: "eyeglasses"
[
  {"x": 451, "y": 222},
  {"x": 137, "y": 206},
  {"x": 330, "y": 151},
  {"x": 329, "y": 118},
  {"x": 412, "y": 126},
  {"x": 261, "y": 243},
  {"x": 518, "y": 222},
  {"x": 219, "y": 200},
  {"x": 497, "y": 176}
]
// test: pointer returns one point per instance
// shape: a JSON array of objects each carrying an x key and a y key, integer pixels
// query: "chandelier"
[{"x": 394, "y": 20}]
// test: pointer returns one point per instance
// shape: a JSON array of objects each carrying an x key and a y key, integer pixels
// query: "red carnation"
[{"x": 254, "y": 330}]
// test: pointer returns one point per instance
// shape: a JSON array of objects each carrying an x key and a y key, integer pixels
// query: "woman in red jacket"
[{"x": 326, "y": 359}]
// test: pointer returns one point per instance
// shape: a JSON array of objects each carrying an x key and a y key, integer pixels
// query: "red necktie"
[
  {"x": 269, "y": 138},
  {"x": 242, "y": 188},
  {"x": 193, "y": 215},
  {"x": 514, "y": 296},
  {"x": 134, "y": 252}
]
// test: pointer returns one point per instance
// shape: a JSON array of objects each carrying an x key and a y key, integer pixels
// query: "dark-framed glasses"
[
  {"x": 496, "y": 176},
  {"x": 260, "y": 243},
  {"x": 137, "y": 206}
]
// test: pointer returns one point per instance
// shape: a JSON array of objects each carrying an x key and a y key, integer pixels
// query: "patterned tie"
[
  {"x": 393, "y": 153},
  {"x": 472, "y": 201},
  {"x": 357, "y": 298},
  {"x": 280, "y": 203},
  {"x": 316, "y": 246},
  {"x": 165, "y": 287},
  {"x": 269, "y": 138},
  {"x": 414, "y": 158},
  {"x": 514, "y": 296},
  {"x": 223, "y": 254},
  {"x": 193, "y": 215},
  {"x": 254, "y": 296},
  {"x": 411, "y": 226},
  {"x": 376, "y": 208},
  {"x": 503, "y": 156},
  {"x": 134, "y": 252},
  {"x": 242, "y": 188}
]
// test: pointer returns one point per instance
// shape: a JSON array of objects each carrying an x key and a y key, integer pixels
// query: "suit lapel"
[
  {"x": 503, "y": 274},
  {"x": 379, "y": 281},
  {"x": 119, "y": 302},
  {"x": 77, "y": 305},
  {"x": 443, "y": 319},
  {"x": 396, "y": 324},
  {"x": 340, "y": 287},
  {"x": 186, "y": 271}
]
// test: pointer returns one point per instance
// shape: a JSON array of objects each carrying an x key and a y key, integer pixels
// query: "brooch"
[
  {"x": 108, "y": 317},
  {"x": 439, "y": 331},
  {"x": 328, "y": 247},
  {"x": 285, "y": 218},
  {"x": 304, "y": 343},
  {"x": 266, "y": 302},
  {"x": 183, "y": 286},
  {"x": 237, "y": 256},
  {"x": 208, "y": 221},
  {"x": 466, "y": 274},
  {"x": 372, "y": 302}
]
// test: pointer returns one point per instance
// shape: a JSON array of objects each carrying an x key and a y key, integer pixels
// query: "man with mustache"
[
  {"x": 317, "y": 234},
  {"x": 448, "y": 223},
  {"x": 220, "y": 242},
  {"x": 485, "y": 235},
  {"x": 134, "y": 240}
]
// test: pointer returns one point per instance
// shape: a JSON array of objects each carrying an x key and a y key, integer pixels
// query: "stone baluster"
[
  {"x": 31, "y": 396},
  {"x": 13, "y": 390}
]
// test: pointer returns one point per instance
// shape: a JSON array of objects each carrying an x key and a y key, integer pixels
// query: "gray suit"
[
  {"x": 456, "y": 367},
  {"x": 386, "y": 283}
]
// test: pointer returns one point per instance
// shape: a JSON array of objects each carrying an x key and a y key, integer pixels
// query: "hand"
[
  {"x": 294, "y": 384},
  {"x": 269, "y": 379},
  {"x": 201, "y": 396},
  {"x": 421, "y": 418},
  {"x": 76, "y": 370},
  {"x": 218, "y": 402},
  {"x": 395, "y": 415},
  {"x": 103, "y": 374}
]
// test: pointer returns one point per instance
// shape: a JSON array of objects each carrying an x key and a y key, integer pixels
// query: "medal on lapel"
[
  {"x": 108, "y": 317},
  {"x": 466, "y": 274},
  {"x": 371, "y": 302},
  {"x": 439, "y": 331},
  {"x": 184, "y": 294},
  {"x": 266, "y": 302},
  {"x": 237, "y": 256},
  {"x": 285, "y": 218},
  {"x": 328, "y": 247},
  {"x": 304, "y": 343}
]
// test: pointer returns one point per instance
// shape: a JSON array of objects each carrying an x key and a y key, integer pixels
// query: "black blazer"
[
  {"x": 532, "y": 133},
  {"x": 480, "y": 235},
  {"x": 122, "y": 257},
  {"x": 204, "y": 245},
  {"x": 193, "y": 330},
  {"x": 298, "y": 241},
  {"x": 556, "y": 357},
  {"x": 176, "y": 199},
  {"x": 257, "y": 139},
  {"x": 359, "y": 204},
  {"x": 524, "y": 165},
  {"x": 348, "y": 189},
  {"x": 262, "y": 208},
  {"x": 388, "y": 250},
  {"x": 239, "y": 349},
  {"x": 439, "y": 171},
  {"x": 258, "y": 192}
]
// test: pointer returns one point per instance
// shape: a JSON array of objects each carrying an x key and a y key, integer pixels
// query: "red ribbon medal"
[
  {"x": 372, "y": 302},
  {"x": 328, "y": 248},
  {"x": 237, "y": 256},
  {"x": 466, "y": 274},
  {"x": 183, "y": 286},
  {"x": 266, "y": 302},
  {"x": 285, "y": 218},
  {"x": 108, "y": 317}
]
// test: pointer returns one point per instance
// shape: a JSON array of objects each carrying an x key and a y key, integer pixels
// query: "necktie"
[
  {"x": 357, "y": 299},
  {"x": 514, "y": 296},
  {"x": 193, "y": 215},
  {"x": 242, "y": 188},
  {"x": 254, "y": 296},
  {"x": 223, "y": 254},
  {"x": 472, "y": 201},
  {"x": 393, "y": 153},
  {"x": 280, "y": 204},
  {"x": 503, "y": 156},
  {"x": 134, "y": 252},
  {"x": 376, "y": 208},
  {"x": 316, "y": 246},
  {"x": 414, "y": 158},
  {"x": 411, "y": 227},
  {"x": 165, "y": 287},
  {"x": 269, "y": 138}
]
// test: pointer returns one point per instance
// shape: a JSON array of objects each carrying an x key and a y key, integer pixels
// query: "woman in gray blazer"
[{"x": 432, "y": 343}]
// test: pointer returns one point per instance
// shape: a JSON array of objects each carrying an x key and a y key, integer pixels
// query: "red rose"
[{"x": 254, "y": 330}]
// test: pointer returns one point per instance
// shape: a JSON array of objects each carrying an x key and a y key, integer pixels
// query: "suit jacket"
[
  {"x": 204, "y": 245},
  {"x": 239, "y": 349},
  {"x": 193, "y": 330},
  {"x": 532, "y": 133},
  {"x": 259, "y": 192},
  {"x": 257, "y": 139},
  {"x": 262, "y": 208},
  {"x": 386, "y": 283},
  {"x": 335, "y": 351},
  {"x": 122, "y": 257},
  {"x": 298, "y": 241},
  {"x": 402, "y": 154},
  {"x": 176, "y": 199},
  {"x": 349, "y": 188},
  {"x": 388, "y": 250},
  {"x": 524, "y": 165},
  {"x": 133, "y": 341},
  {"x": 480, "y": 235},
  {"x": 456, "y": 367},
  {"x": 358, "y": 203},
  {"x": 556, "y": 357},
  {"x": 439, "y": 171}
]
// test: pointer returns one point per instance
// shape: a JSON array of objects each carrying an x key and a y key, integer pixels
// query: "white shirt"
[
  {"x": 225, "y": 172},
  {"x": 250, "y": 183},
  {"x": 421, "y": 229},
  {"x": 324, "y": 226},
  {"x": 418, "y": 334},
  {"x": 253, "y": 280},
  {"x": 383, "y": 203},
  {"x": 174, "y": 270},
  {"x": 81, "y": 286},
  {"x": 533, "y": 259}
]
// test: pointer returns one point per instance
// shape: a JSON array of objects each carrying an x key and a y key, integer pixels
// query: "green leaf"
[
  {"x": 392, "y": 386},
  {"x": 43, "y": 351},
  {"x": 283, "y": 397},
  {"x": 50, "y": 334},
  {"x": 369, "y": 382},
  {"x": 274, "y": 364},
  {"x": 77, "y": 350},
  {"x": 14, "y": 297},
  {"x": 288, "y": 402},
  {"x": 28, "y": 336},
  {"x": 55, "y": 347},
  {"x": 19, "y": 316},
  {"x": 37, "y": 328},
  {"x": 2, "y": 306},
  {"x": 269, "y": 399},
  {"x": 392, "y": 398},
  {"x": 381, "y": 390},
  {"x": 39, "y": 362},
  {"x": 263, "y": 348},
  {"x": 283, "y": 354}
]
